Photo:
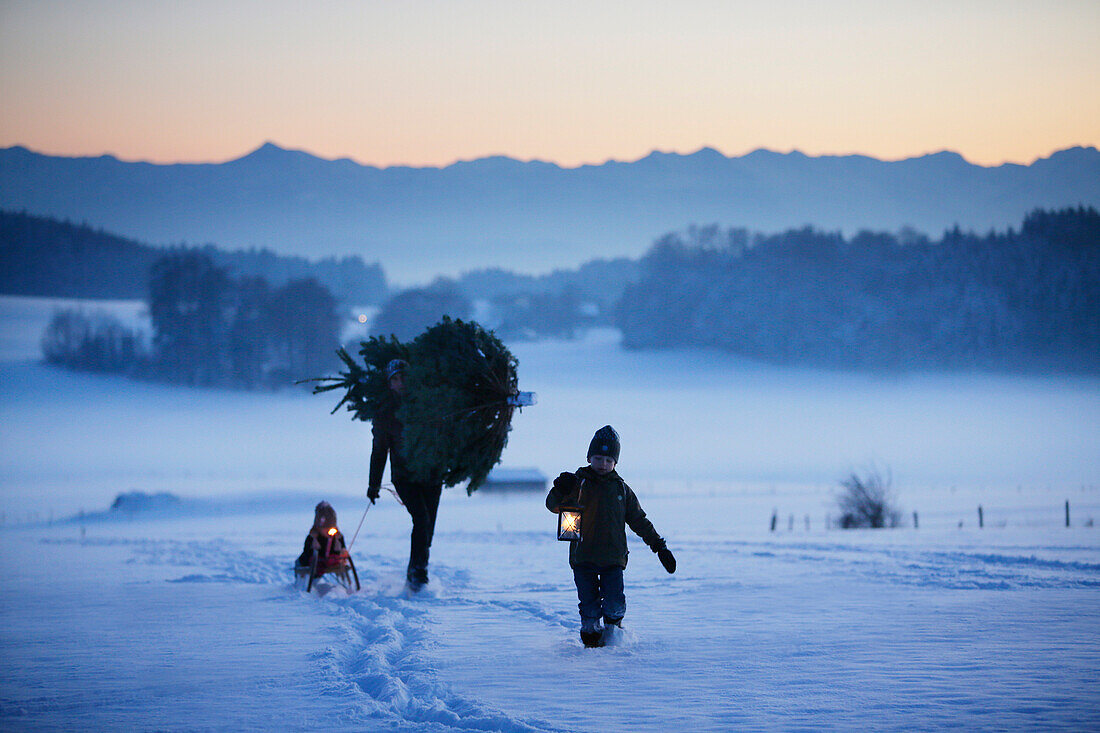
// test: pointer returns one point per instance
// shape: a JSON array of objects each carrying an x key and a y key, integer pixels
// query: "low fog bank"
[
  {"x": 141, "y": 506},
  {"x": 700, "y": 415},
  {"x": 690, "y": 420}
]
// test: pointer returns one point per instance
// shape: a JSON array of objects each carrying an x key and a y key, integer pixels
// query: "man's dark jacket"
[{"x": 387, "y": 430}]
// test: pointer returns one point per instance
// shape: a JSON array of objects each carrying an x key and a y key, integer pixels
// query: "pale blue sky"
[{"x": 428, "y": 82}]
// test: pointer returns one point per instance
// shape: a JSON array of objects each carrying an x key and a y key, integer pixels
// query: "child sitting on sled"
[
  {"x": 598, "y": 559},
  {"x": 324, "y": 538}
]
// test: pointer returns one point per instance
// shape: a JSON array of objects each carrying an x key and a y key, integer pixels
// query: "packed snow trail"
[
  {"x": 384, "y": 664},
  {"x": 377, "y": 670}
]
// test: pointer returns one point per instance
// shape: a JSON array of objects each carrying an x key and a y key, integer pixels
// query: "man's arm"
[{"x": 379, "y": 450}]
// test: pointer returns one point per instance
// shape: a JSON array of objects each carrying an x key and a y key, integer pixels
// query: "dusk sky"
[{"x": 429, "y": 82}]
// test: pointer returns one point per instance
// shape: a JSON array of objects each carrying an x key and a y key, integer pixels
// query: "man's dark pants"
[{"x": 422, "y": 503}]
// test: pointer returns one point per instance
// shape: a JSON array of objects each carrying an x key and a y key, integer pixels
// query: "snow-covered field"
[{"x": 188, "y": 620}]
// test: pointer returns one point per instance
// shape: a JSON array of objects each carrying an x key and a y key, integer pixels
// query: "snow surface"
[{"x": 185, "y": 617}]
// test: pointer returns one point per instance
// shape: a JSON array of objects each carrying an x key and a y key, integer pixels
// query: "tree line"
[
  {"x": 209, "y": 329},
  {"x": 41, "y": 256},
  {"x": 46, "y": 257},
  {"x": 1026, "y": 299},
  {"x": 1023, "y": 299},
  {"x": 517, "y": 307}
]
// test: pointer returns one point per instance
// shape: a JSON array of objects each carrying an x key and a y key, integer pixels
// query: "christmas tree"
[
  {"x": 365, "y": 386},
  {"x": 461, "y": 392}
]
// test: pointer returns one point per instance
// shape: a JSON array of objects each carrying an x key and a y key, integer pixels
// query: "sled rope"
[
  {"x": 369, "y": 505},
  {"x": 360, "y": 526}
]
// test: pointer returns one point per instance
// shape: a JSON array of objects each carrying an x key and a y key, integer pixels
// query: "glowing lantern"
[
  {"x": 569, "y": 523},
  {"x": 569, "y": 518},
  {"x": 328, "y": 547}
]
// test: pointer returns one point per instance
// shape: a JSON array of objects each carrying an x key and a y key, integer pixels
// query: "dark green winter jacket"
[
  {"x": 388, "y": 439},
  {"x": 608, "y": 506}
]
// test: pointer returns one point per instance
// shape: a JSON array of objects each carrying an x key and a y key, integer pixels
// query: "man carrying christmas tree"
[{"x": 420, "y": 499}]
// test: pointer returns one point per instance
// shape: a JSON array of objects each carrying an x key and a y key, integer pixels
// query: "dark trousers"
[
  {"x": 601, "y": 594},
  {"x": 422, "y": 503}
]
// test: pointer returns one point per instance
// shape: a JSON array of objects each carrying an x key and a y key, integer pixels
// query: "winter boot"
[
  {"x": 611, "y": 628},
  {"x": 592, "y": 639},
  {"x": 591, "y": 633},
  {"x": 416, "y": 577}
]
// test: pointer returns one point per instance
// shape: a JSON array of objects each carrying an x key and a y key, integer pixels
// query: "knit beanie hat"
[
  {"x": 396, "y": 366},
  {"x": 605, "y": 443},
  {"x": 324, "y": 515}
]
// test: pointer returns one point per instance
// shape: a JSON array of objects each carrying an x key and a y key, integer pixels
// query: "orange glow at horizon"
[{"x": 423, "y": 83}]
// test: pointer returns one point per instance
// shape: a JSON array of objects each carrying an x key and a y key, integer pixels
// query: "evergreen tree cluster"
[
  {"x": 46, "y": 257},
  {"x": 96, "y": 342},
  {"x": 560, "y": 304},
  {"x": 411, "y": 311},
  {"x": 531, "y": 316},
  {"x": 1021, "y": 300},
  {"x": 210, "y": 329}
]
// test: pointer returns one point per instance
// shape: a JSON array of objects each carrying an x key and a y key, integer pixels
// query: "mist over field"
[{"x": 687, "y": 416}]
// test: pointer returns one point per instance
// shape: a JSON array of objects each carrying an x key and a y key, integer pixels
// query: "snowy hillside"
[{"x": 186, "y": 618}]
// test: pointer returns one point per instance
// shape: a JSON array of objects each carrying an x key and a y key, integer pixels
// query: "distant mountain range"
[{"x": 527, "y": 216}]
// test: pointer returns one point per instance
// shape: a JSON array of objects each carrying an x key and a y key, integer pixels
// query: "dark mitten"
[
  {"x": 373, "y": 493},
  {"x": 566, "y": 482},
  {"x": 667, "y": 559}
]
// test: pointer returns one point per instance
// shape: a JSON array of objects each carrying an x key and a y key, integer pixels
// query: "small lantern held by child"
[{"x": 569, "y": 523}]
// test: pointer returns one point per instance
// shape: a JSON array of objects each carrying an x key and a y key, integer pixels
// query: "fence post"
[
  {"x": 1067, "y": 512},
  {"x": 916, "y": 522},
  {"x": 775, "y": 518},
  {"x": 981, "y": 523}
]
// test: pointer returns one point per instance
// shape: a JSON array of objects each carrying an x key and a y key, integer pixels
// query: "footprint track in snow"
[{"x": 379, "y": 668}]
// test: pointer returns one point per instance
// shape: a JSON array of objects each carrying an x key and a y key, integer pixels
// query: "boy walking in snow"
[{"x": 598, "y": 559}]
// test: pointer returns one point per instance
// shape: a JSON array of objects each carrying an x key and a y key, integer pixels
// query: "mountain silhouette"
[{"x": 527, "y": 216}]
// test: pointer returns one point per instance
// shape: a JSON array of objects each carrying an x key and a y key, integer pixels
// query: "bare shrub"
[{"x": 867, "y": 502}]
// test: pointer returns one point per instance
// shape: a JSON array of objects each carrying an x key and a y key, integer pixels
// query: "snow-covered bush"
[
  {"x": 139, "y": 501},
  {"x": 867, "y": 502}
]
